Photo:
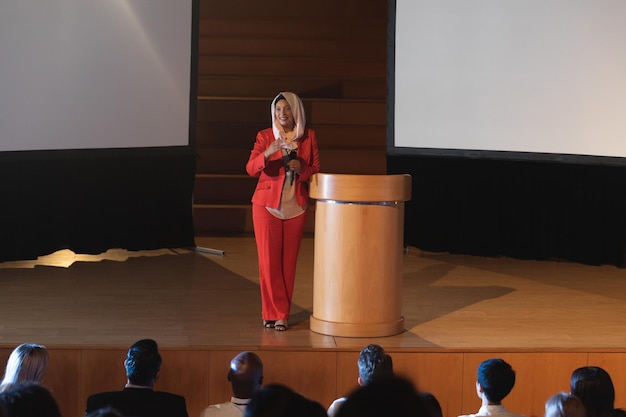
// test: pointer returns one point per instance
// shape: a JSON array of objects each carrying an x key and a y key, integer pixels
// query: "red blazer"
[{"x": 271, "y": 173}]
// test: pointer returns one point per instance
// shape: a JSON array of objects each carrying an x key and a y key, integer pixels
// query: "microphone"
[{"x": 291, "y": 155}]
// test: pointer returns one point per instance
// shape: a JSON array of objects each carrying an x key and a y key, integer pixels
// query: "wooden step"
[
  {"x": 228, "y": 220},
  {"x": 303, "y": 27},
  {"x": 329, "y": 136},
  {"x": 327, "y": 9},
  {"x": 244, "y": 66},
  {"x": 354, "y": 87},
  {"x": 343, "y": 161},
  {"x": 318, "y": 111},
  {"x": 223, "y": 189},
  {"x": 225, "y": 45}
]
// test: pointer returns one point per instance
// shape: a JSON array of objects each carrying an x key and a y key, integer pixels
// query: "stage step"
[
  {"x": 333, "y": 56},
  {"x": 232, "y": 219}
]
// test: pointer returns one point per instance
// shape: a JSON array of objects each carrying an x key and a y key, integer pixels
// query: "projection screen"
[
  {"x": 534, "y": 77},
  {"x": 78, "y": 74}
]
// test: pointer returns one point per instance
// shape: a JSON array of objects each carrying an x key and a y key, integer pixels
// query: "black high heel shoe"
[{"x": 280, "y": 325}]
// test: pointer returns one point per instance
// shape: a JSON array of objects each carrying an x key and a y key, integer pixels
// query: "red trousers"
[{"x": 278, "y": 243}]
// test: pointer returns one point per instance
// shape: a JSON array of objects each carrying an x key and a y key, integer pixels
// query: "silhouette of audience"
[
  {"x": 431, "y": 403},
  {"x": 276, "y": 400},
  {"x": 105, "y": 412},
  {"x": 373, "y": 363},
  {"x": 139, "y": 399},
  {"x": 28, "y": 399},
  {"x": 245, "y": 376},
  {"x": 495, "y": 380},
  {"x": 594, "y": 387},
  {"x": 27, "y": 362},
  {"x": 564, "y": 405},
  {"x": 380, "y": 391},
  {"x": 385, "y": 396}
]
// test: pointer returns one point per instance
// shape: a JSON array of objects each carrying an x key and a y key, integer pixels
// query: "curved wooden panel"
[
  {"x": 361, "y": 188},
  {"x": 358, "y": 254}
]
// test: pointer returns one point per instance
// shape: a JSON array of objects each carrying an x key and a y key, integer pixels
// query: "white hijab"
[{"x": 290, "y": 139}]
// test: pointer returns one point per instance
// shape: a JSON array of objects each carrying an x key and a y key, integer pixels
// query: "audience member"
[
  {"x": 139, "y": 399},
  {"x": 382, "y": 397},
  {"x": 373, "y": 363},
  {"x": 495, "y": 380},
  {"x": 431, "y": 403},
  {"x": 28, "y": 399},
  {"x": 27, "y": 362},
  {"x": 594, "y": 387},
  {"x": 311, "y": 408},
  {"x": 245, "y": 376},
  {"x": 105, "y": 412},
  {"x": 277, "y": 400},
  {"x": 564, "y": 405}
]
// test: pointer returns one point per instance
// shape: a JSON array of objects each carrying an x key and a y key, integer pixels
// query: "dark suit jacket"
[{"x": 140, "y": 402}]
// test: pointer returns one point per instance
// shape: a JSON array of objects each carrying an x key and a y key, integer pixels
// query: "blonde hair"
[
  {"x": 564, "y": 405},
  {"x": 27, "y": 362}
]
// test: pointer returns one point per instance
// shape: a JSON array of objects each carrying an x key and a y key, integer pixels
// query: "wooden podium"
[{"x": 359, "y": 229}]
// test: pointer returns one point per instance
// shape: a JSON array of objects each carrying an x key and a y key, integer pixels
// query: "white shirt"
[
  {"x": 493, "y": 410},
  {"x": 334, "y": 407},
  {"x": 233, "y": 408}
]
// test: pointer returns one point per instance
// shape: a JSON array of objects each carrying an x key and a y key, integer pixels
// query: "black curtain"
[
  {"x": 521, "y": 209},
  {"x": 132, "y": 200}
]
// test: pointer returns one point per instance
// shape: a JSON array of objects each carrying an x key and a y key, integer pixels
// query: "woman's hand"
[
  {"x": 295, "y": 166},
  {"x": 273, "y": 148}
]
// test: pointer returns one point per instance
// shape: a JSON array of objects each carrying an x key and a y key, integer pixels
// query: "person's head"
[
  {"x": 385, "y": 396},
  {"x": 431, "y": 404},
  {"x": 28, "y": 399},
  {"x": 284, "y": 113},
  {"x": 373, "y": 363},
  {"x": 143, "y": 363},
  {"x": 594, "y": 387},
  {"x": 27, "y": 362},
  {"x": 564, "y": 405},
  {"x": 287, "y": 112},
  {"x": 245, "y": 374},
  {"x": 107, "y": 411},
  {"x": 495, "y": 379},
  {"x": 276, "y": 400},
  {"x": 310, "y": 408}
]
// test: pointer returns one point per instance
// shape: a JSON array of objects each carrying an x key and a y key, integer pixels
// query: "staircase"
[{"x": 333, "y": 57}]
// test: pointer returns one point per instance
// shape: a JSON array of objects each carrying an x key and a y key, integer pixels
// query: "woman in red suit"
[{"x": 283, "y": 158}]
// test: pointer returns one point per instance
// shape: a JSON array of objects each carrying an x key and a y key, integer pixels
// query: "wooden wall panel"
[
  {"x": 63, "y": 377},
  {"x": 437, "y": 373},
  {"x": 347, "y": 373},
  {"x": 615, "y": 365},
  {"x": 538, "y": 376},
  {"x": 102, "y": 370},
  {"x": 200, "y": 375},
  {"x": 4, "y": 356},
  {"x": 332, "y": 54},
  {"x": 219, "y": 386},
  {"x": 186, "y": 373},
  {"x": 312, "y": 374}
]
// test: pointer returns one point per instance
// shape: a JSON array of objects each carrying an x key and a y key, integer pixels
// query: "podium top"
[{"x": 361, "y": 188}]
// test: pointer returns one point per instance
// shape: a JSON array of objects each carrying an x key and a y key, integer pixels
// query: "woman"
[
  {"x": 564, "y": 405},
  {"x": 27, "y": 362},
  {"x": 283, "y": 158},
  {"x": 594, "y": 387}
]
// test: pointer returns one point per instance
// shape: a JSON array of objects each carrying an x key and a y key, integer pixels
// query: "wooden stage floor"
[{"x": 185, "y": 298}]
